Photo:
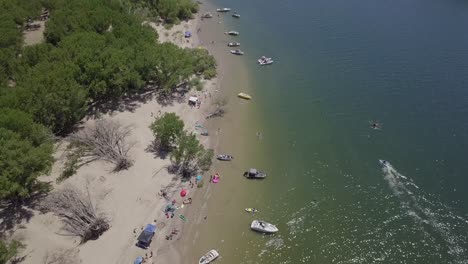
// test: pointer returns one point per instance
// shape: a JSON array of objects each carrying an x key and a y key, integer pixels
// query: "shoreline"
[{"x": 128, "y": 197}]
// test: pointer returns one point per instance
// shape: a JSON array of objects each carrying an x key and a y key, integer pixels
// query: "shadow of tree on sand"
[{"x": 15, "y": 213}]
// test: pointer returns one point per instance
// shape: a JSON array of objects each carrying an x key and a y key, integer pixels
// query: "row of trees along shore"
[{"x": 95, "y": 52}]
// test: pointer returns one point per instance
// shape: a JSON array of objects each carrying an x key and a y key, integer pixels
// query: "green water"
[{"x": 338, "y": 65}]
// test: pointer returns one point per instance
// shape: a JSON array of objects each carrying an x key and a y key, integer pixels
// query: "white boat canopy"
[{"x": 193, "y": 99}]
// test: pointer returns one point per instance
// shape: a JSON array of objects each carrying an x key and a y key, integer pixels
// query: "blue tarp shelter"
[
  {"x": 188, "y": 34},
  {"x": 138, "y": 260},
  {"x": 145, "y": 237}
]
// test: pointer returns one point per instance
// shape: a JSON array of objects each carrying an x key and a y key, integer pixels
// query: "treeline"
[
  {"x": 171, "y": 11},
  {"x": 95, "y": 51}
]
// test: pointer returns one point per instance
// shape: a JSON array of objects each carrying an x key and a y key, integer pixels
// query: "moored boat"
[
  {"x": 255, "y": 174},
  {"x": 224, "y": 9},
  {"x": 263, "y": 227},
  {"x": 237, "y": 52},
  {"x": 209, "y": 257},
  {"x": 232, "y": 33},
  {"x": 225, "y": 157},
  {"x": 233, "y": 44},
  {"x": 236, "y": 15},
  {"x": 265, "y": 61},
  {"x": 244, "y": 96}
]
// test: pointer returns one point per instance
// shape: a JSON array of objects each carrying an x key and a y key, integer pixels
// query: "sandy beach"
[{"x": 130, "y": 198}]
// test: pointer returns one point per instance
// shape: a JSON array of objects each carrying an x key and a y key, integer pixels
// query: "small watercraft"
[
  {"x": 183, "y": 217},
  {"x": 244, "y": 96},
  {"x": 207, "y": 15},
  {"x": 251, "y": 210},
  {"x": 265, "y": 61},
  {"x": 209, "y": 257},
  {"x": 237, "y": 52},
  {"x": 232, "y": 33},
  {"x": 236, "y": 15},
  {"x": 204, "y": 133},
  {"x": 233, "y": 44},
  {"x": 216, "y": 178},
  {"x": 224, "y": 9},
  {"x": 225, "y": 157},
  {"x": 263, "y": 227},
  {"x": 255, "y": 174}
]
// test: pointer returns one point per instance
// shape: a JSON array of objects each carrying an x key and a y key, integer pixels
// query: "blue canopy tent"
[
  {"x": 145, "y": 237},
  {"x": 188, "y": 34}
]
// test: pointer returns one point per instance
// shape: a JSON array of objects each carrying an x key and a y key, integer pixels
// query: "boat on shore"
[
  {"x": 255, "y": 174},
  {"x": 233, "y": 44},
  {"x": 236, "y": 15},
  {"x": 237, "y": 52},
  {"x": 244, "y": 96},
  {"x": 251, "y": 210},
  {"x": 225, "y": 157},
  {"x": 232, "y": 33},
  {"x": 263, "y": 227},
  {"x": 265, "y": 61},
  {"x": 223, "y": 10},
  {"x": 209, "y": 257}
]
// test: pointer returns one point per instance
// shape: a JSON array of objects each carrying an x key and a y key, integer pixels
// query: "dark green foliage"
[
  {"x": 203, "y": 63},
  {"x": 205, "y": 159},
  {"x": 190, "y": 156},
  {"x": 167, "y": 129},
  {"x": 25, "y": 153},
  {"x": 8, "y": 251},
  {"x": 172, "y": 11},
  {"x": 173, "y": 66},
  {"x": 51, "y": 95}
]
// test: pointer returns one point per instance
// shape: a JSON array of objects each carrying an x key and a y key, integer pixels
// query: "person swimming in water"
[{"x": 375, "y": 125}]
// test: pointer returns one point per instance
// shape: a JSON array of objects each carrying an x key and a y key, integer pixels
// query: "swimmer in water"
[{"x": 375, "y": 125}]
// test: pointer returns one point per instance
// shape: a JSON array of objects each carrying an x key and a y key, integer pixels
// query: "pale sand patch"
[
  {"x": 32, "y": 37},
  {"x": 129, "y": 197}
]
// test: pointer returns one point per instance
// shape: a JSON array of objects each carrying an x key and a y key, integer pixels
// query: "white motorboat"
[
  {"x": 233, "y": 44},
  {"x": 265, "y": 61},
  {"x": 236, "y": 15},
  {"x": 237, "y": 52},
  {"x": 232, "y": 33},
  {"x": 225, "y": 157},
  {"x": 209, "y": 257},
  {"x": 264, "y": 227},
  {"x": 224, "y": 9}
]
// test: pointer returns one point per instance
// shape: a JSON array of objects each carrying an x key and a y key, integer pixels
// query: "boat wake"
[{"x": 435, "y": 219}]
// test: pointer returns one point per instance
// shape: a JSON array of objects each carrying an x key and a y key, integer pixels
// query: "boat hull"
[{"x": 244, "y": 96}]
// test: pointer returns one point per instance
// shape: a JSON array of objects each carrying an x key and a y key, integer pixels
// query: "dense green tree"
[
  {"x": 167, "y": 129},
  {"x": 205, "y": 159},
  {"x": 173, "y": 66},
  {"x": 51, "y": 95},
  {"x": 8, "y": 251},
  {"x": 20, "y": 165},
  {"x": 188, "y": 147},
  {"x": 22, "y": 124},
  {"x": 203, "y": 63}
]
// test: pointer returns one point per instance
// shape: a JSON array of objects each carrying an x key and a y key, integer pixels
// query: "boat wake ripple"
[{"x": 434, "y": 219}]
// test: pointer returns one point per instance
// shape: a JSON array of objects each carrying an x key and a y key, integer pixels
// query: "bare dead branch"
[
  {"x": 106, "y": 140},
  {"x": 77, "y": 212}
]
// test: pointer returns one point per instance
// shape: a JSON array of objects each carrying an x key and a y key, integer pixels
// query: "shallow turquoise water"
[{"x": 340, "y": 64}]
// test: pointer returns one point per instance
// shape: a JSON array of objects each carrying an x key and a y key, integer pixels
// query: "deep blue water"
[{"x": 338, "y": 65}]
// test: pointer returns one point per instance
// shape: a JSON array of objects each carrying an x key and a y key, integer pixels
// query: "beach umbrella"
[
  {"x": 199, "y": 178},
  {"x": 138, "y": 260},
  {"x": 183, "y": 193}
]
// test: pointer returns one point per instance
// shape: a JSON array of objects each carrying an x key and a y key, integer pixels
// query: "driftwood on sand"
[
  {"x": 106, "y": 140},
  {"x": 77, "y": 212}
]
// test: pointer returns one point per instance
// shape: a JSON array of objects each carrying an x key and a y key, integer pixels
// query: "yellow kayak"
[{"x": 244, "y": 96}]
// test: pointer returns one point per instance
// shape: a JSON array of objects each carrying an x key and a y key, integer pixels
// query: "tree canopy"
[{"x": 167, "y": 129}]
